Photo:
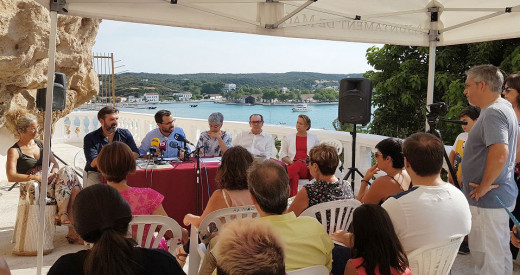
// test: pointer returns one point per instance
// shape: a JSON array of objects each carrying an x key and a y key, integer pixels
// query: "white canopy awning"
[{"x": 404, "y": 22}]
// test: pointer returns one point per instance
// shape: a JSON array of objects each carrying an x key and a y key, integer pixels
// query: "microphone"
[
  {"x": 162, "y": 146},
  {"x": 173, "y": 144},
  {"x": 182, "y": 138},
  {"x": 181, "y": 149},
  {"x": 153, "y": 145}
]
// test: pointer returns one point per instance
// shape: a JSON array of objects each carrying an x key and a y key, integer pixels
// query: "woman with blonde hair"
[
  {"x": 24, "y": 163},
  {"x": 295, "y": 149}
]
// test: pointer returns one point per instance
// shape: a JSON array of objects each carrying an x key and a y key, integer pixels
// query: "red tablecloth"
[{"x": 178, "y": 185}]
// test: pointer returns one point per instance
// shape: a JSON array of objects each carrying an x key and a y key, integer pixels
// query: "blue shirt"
[
  {"x": 171, "y": 143},
  {"x": 94, "y": 141}
]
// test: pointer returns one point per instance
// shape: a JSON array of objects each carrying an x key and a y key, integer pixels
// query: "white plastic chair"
[
  {"x": 211, "y": 224},
  {"x": 79, "y": 163},
  {"x": 435, "y": 259},
  {"x": 339, "y": 221},
  {"x": 339, "y": 149},
  {"x": 166, "y": 223},
  {"x": 311, "y": 270}
]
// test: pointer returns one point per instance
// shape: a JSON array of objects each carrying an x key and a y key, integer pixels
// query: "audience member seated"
[
  {"x": 295, "y": 149},
  {"x": 24, "y": 163},
  {"x": 389, "y": 159},
  {"x": 108, "y": 132},
  {"x": 101, "y": 217},
  {"x": 249, "y": 247},
  {"x": 432, "y": 211},
  {"x": 165, "y": 132},
  {"x": 256, "y": 141},
  {"x": 305, "y": 241},
  {"x": 214, "y": 143},
  {"x": 375, "y": 246},
  {"x": 116, "y": 161},
  {"x": 232, "y": 180},
  {"x": 322, "y": 162}
]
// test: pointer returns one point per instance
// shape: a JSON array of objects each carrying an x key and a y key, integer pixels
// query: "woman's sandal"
[{"x": 181, "y": 256}]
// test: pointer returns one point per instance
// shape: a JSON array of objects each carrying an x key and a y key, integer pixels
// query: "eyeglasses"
[
  {"x": 308, "y": 160},
  {"x": 168, "y": 123},
  {"x": 256, "y": 121},
  {"x": 33, "y": 130},
  {"x": 507, "y": 89},
  {"x": 377, "y": 154}
]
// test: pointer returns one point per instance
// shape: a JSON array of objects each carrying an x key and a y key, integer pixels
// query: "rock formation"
[{"x": 24, "y": 42}]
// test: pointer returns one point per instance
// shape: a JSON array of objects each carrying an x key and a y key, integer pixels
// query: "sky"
[{"x": 171, "y": 50}]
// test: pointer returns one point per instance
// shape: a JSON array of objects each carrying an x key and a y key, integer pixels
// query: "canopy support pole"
[
  {"x": 434, "y": 38},
  {"x": 47, "y": 137}
]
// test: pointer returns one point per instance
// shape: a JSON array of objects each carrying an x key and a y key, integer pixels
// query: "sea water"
[{"x": 322, "y": 115}]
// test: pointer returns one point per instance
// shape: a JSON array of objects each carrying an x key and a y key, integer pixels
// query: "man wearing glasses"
[
  {"x": 93, "y": 142},
  {"x": 165, "y": 132},
  {"x": 487, "y": 171},
  {"x": 256, "y": 141}
]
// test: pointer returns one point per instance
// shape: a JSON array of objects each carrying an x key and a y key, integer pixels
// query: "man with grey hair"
[
  {"x": 259, "y": 143},
  {"x": 487, "y": 171},
  {"x": 214, "y": 142}
]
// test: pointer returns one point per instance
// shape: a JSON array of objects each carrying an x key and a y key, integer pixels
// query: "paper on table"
[{"x": 215, "y": 159}]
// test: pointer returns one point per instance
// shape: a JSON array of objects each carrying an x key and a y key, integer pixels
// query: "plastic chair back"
[
  {"x": 334, "y": 143},
  {"x": 80, "y": 161},
  {"x": 435, "y": 259},
  {"x": 311, "y": 270},
  {"x": 154, "y": 221},
  {"x": 340, "y": 213},
  {"x": 210, "y": 225}
]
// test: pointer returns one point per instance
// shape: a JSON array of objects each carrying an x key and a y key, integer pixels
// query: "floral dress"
[
  {"x": 143, "y": 201},
  {"x": 210, "y": 146},
  {"x": 322, "y": 191}
]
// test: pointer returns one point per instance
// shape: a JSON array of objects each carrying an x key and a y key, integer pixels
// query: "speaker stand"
[{"x": 353, "y": 170}]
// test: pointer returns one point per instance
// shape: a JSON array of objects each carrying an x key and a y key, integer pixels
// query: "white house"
[
  {"x": 134, "y": 99},
  {"x": 151, "y": 97},
  {"x": 229, "y": 87},
  {"x": 215, "y": 96},
  {"x": 183, "y": 96}
]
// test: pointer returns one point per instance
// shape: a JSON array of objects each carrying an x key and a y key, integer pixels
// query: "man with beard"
[
  {"x": 165, "y": 132},
  {"x": 94, "y": 141}
]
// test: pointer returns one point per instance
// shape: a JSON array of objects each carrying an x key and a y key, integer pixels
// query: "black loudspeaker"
[
  {"x": 58, "y": 95},
  {"x": 355, "y": 100}
]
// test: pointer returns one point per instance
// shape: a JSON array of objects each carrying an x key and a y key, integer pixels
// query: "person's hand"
[
  {"x": 480, "y": 191},
  {"x": 181, "y": 155},
  {"x": 187, "y": 219},
  {"x": 37, "y": 178},
  {"x": 215, "y": 134},
  {"x": 342, "y": 237},
  {"x": 514, "y": 240},
  {"x": 371, "y": 172}
]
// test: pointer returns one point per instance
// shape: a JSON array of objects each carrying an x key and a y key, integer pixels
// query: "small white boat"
[{"x": 301, "y": 108}]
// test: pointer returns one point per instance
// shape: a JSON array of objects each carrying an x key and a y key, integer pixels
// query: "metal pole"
[
  {"x": 46, "y": 138},
  {"x": 431, "y": 76},
  {"x": 113, "y": 81}
]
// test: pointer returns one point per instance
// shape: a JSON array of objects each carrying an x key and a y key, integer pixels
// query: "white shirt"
[
  {"x": 426, "y": 215},
  {"x": 260, "y": 145},
  {"x": 288, "y": 148}
]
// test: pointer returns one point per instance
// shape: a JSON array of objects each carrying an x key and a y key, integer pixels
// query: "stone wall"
[{"x": 24, "y": 41}]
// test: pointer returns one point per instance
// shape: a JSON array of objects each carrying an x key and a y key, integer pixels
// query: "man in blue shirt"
[
  {"x": 93, "y": 142},
  {"x": 165, "y": 132}
]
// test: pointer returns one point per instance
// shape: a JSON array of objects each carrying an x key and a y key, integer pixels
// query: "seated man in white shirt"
[
  {"x": 432, "y": 210},
  {"x": 256, "y": 141}
]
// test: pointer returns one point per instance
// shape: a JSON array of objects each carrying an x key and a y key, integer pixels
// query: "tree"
[
  {"x": 401, "y": 75},
  {"x": 326, "y": 95}
]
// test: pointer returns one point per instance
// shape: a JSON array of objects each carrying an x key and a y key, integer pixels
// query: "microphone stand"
[{"x": 197, "y": 175}]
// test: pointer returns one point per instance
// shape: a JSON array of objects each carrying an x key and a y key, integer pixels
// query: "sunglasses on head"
[{"x": 308, "y": 160}]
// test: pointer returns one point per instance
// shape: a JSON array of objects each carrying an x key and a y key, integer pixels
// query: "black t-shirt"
[{"x": 154, "y": 261}]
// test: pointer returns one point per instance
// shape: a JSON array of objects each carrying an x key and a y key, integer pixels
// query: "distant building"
[
  {"x": 249, "y": 99},
  {"x": 307, "y": 97},
  {"x": 215, "y": 96},
  {"x": 123, "y": 99},
  {"x": 151, "y": 97},
  {"x": 133, "y": 99},
  {"x": 183, "y": 96},
  {"x": 284, "y": 90},
  {"x": 229, "y": 87}
]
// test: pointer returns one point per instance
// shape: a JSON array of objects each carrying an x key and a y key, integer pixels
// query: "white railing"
[{"x": 76, "y": 125}]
